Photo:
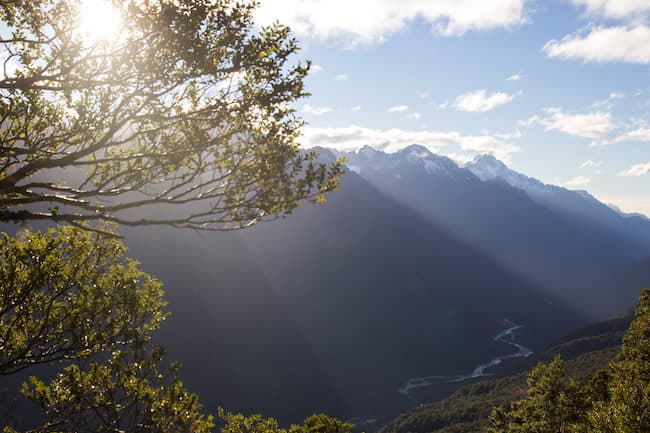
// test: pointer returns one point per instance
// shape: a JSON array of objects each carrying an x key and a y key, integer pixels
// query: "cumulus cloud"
[
  {"x": 636, "y": 170},
  {"x": 591, "y": 164},
  {"x": 604, "y": 44},
  {"x": 398, "y": 108},
  {"x": 577, "y": 181},
  {"x": 616, "y": 9},
  {"x": 368, "y": 21},
  {"x": 479, "y": 101},
  {"x": 641, "y": 134},
  {"x": 316, "y": 111},
  {"x": 515, "y": 77},
  {"x": 391, "y": 140},
  {"x": 595, "y": 125}
]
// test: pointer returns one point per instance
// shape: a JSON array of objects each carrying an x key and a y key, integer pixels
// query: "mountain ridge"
[{"x": 527, "y": 226}]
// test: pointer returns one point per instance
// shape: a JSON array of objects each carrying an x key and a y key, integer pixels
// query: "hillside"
[
  {"x": 586, "y": 351},
  {"x": 344, "y": 303}
]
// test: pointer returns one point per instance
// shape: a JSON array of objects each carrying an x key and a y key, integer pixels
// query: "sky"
[{"x": 556, "y": 89}]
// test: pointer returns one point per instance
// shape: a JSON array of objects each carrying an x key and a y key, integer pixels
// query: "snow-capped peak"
[
  {"x": 487, "y": 167},
  {"x": 415, "y": 150},
  {"x": 368, "y": 158},
  {"x": 367, "y": 151}
]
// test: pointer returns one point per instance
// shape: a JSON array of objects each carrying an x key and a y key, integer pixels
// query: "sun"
[{"x": 99, "y": 21}]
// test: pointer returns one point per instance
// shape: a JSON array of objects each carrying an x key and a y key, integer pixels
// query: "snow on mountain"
[
  {"x": 372, "y": 164},
  {"x": 368, "y": 158},
  {"x": 487, "y": 167}
]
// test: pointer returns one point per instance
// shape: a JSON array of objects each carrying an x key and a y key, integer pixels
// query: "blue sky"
[{"x": 557, "y": 89}]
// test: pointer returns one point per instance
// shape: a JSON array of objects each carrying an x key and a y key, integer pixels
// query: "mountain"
[
  {"x": 336, "y": 307},
  {"x": 623, "y": 284},
  {"x": 579, "y": 204},
  {"x": 550, "y": 236}
]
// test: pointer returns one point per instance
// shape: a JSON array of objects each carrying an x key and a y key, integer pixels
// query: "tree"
[
  {"x": 128, "y": 393},
  {"x": 238, "y": 423},
  {"x": 626, "y": 407},
  {"x": 184, "y": 116},
  {"x": 614, "y": 400},
  {"x": 551, "y": 406},
  {"x": 70, "y": 294}
]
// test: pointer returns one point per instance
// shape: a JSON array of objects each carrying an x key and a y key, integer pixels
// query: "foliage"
[
  {"x": 185, "y": 116},
  {"x": 320, "y": 423},
  {"x": 69, "y": 294},
  {"x": 128, "y": 393},
  {"x": 550, "y": 407},
  {"x": 626, "y": 406}
]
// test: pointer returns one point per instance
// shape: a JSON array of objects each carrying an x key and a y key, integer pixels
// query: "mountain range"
[
  {"x": 561, "y": 239},
  {"x": 409, "y": 270}
]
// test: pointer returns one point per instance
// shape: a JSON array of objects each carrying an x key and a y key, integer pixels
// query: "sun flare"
[{"x": 99, "y": 21}]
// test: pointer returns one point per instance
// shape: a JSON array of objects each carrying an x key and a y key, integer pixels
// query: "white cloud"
[
  {"x": 356, "y": 108},
  {"x": 510, "y": 135},
  {"x": 415, "y": 116},
  {"x": 616, "y": 95},
  {"x": 315, "y": 68},
  {"x": 480, "y": 101},
  {"x": 398, "y": 108},
  {"x": 591, "y": 164},
  {"x": 316, "y": 111},
  {"x": 391, "y": 140},
  {"x": 515, "y": 77},
  {"x": 641, "y": 134},
  {"x": 577, "y": 181},
  {"x": 636, "y": 170},
  {"x": 618, "y": 9},
  {"x": 604, "y": 44},
  {"x": 424, "y": 95},
  {"x": 341, "y": 77},
  {"x": 368, "y": 21},
  {"x": 595, "y": 125},
  {"x": 459, "y": 158}
]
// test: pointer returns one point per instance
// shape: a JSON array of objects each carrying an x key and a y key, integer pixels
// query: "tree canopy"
[
  {"x": 182, "y": 117},
  {"x": 72, "y": 295},
  {"x": 69, "y": 294},
  {"x": 185, "y": 115}
]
